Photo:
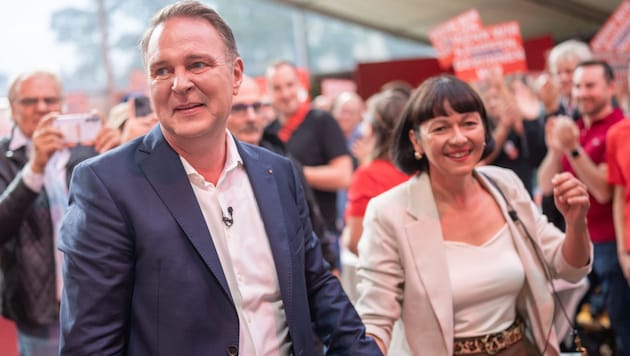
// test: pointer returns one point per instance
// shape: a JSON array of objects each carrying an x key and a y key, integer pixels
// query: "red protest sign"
[
  {"x": 331, "y": 87},
  {"x": 619, "y": 63},
  {"x": 498, "y": 47},
  {"x": 442, "y": 35},
  {"x": 614, "y": 36}
]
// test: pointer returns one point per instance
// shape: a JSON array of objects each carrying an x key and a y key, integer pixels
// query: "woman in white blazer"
[{"x": 460, "y": 252}]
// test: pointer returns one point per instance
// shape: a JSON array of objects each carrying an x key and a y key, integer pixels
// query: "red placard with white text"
[
  {"x": 619, "y": 64},
  {"x": 614, "y": 36},
  {"x": 441, "y": 36},
  {"x": 498, "y": 47}
]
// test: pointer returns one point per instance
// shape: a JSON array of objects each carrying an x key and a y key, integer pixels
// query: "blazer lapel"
[
  {"x": 164, "y": 171},
  {"x": 261, "y": 177},
  {"x": 524, "y": 247},
  {"x": 426, "y": 243}
]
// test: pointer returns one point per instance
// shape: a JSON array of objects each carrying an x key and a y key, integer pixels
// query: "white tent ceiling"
[{"x": 413, "y": 19}]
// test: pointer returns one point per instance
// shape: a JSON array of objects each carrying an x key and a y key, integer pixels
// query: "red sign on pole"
[
  {"x": 498, "y": 47},
  {"x": 614, "y": 36},
  {"x": 441, "y": 36}
]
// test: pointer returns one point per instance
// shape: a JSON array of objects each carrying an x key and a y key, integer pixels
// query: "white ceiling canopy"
[{"x": 413, "y": 19}]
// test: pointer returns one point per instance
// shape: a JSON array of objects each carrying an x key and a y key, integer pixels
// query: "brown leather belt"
[{"x": 491, "y": 343}]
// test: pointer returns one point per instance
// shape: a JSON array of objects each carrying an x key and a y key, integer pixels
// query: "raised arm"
[
  {"x": 593, "y": 175},
  {"x": 571, "y": 198},
  {"x": 19, "y": 192}
]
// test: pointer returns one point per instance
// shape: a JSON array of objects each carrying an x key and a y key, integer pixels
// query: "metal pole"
[{"x": 300, "y": 38}]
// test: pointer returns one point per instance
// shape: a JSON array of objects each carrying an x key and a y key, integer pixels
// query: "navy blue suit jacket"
[{"x": 142, "y": 276}]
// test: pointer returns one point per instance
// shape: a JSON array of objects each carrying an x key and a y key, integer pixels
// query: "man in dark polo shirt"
[{"x": 312, "y": 137}]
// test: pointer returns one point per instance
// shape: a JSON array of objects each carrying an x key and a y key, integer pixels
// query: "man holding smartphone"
[
  {"x": 133, "y": 116},
  {"x": 141, "y": 118},
  {"x": 35, "y": 166}
]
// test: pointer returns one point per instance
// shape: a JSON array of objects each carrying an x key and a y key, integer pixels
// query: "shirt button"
[{"x": 232, "y": 350}]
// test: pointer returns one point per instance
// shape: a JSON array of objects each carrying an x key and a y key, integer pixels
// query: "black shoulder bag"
[{"x": 514, "y": 216}]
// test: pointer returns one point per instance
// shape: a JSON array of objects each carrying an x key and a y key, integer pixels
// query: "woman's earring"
[{"x": 418, "y": 155}]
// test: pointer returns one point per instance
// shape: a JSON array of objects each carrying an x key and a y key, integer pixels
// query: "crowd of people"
[{"x": 206, "y": 217}]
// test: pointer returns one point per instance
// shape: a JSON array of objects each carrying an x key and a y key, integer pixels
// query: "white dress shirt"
[{"x": 245, "y": 255}]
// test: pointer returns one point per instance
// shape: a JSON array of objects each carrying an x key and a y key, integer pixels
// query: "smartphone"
[
  {"x": 142, "y": 105},
  {"x": 78, "y": 128}
]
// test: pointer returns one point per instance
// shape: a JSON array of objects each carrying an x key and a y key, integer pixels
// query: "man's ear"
[{"x": 237, "y": 72}]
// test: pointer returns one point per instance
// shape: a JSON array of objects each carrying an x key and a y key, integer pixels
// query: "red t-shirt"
[
  {"x": 369, "y": 181},
  {"x": 593, "y": 142},
  {"x": 618, "y": 160}
]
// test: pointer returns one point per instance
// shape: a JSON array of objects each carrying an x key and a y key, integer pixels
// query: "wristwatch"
[{"x": 576, "y": 152}]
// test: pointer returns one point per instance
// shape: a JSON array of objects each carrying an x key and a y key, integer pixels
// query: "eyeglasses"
[
  {"x": 49, "y": 100},
  {"x": 241, "y": 108}
]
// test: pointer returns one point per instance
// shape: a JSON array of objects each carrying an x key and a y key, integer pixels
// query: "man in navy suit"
[{"x": 187, "y": 242}]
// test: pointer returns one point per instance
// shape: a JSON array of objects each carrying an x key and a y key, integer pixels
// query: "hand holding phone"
[
  {"x": 78, "y": 128},
  {"x": 142, "y": 106}
]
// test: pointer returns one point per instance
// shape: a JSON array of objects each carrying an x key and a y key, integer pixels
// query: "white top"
[
  {"x": 485, "y": 281},
  {"x": 245, "y": 256}
]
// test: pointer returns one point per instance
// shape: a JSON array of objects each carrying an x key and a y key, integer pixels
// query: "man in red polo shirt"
[
  {"x": 618, "y": 160},
  {"x": 580, "y": 148}
]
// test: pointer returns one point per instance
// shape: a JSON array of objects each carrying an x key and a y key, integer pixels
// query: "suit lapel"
[
  {"x": 261, "y": 177},
  {"x": 426, "y": 243},
  {"x": 164, "y": 171},
  {"x": 77, "y": 155}
]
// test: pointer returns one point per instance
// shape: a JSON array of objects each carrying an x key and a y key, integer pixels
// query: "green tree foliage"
[{"x": 264, "y": 31}]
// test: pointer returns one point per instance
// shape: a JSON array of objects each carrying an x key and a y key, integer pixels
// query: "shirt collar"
[
  {"x": 232, "y": 160},
  {"x": 18, "y": 139}
]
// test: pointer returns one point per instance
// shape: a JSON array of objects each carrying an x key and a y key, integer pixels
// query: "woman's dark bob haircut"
[{"x": 427, "y": 102}]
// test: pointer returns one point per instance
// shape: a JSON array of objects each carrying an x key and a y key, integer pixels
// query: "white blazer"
[{"x": 403, "y": 271}]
